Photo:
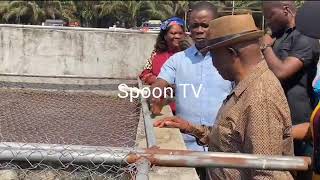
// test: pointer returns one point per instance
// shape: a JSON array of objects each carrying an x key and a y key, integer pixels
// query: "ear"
[
  {"x": 233, "y": 52},
  {"x": 287, "y": 10},
  {"x": 290, "y": 12}
]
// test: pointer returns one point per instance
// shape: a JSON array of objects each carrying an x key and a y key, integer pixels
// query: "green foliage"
[
  {"x": 25, "y": 12},
  {"x": 106, "y": 13},
  {"x": 299, "y": 3},
  {"x": 166, "y": 9}
]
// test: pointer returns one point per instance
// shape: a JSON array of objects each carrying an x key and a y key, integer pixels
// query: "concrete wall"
[{"x": 89, "y": 52}]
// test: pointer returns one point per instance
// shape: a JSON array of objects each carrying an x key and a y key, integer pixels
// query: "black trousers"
[
  {"x": 202, "y": 173},
  {"x": 303, "y": 148}
]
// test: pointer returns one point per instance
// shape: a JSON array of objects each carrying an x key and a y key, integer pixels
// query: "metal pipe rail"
[
  {"x": 158, "y": 157},
  {"x": 150, "y": 135},
  {"x": 63, "y": 76}
]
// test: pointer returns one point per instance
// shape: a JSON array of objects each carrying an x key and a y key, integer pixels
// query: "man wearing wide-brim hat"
[{"x": 255, "y": 117}]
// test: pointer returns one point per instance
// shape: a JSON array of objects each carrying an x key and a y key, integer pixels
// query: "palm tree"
[
  {"x": 87, "y": 12},
  {"x": 52, "y": 9},
  {"x": 3, "y": 10},
  {"x": 237, "y": 6},
  {"x": 165, "y": 9},
  {"x": 69, "y": 11},
  {"x": 90, "y": 12},
  {"x": 106, "y": 8},
  {"x": 26, "y": 12},
  {"x": 128, "y": 12}
]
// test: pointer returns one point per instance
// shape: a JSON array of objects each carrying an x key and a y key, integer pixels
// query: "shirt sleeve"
[
  {"x": 264, "y": 133},
  {"x": 201, "y": 133},
  {"x": 148, "y": 64},
  {"x": 168, "y": 70},
  {"x": 147, "y": 69},
  {"x": 303, "y": 49}
]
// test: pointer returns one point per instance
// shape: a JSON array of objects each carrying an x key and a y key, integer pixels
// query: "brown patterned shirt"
[{"x": 254, "y": 119}]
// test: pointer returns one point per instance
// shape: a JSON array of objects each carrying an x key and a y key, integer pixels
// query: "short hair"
[
  {"x": 290, "y": 4},
  {"x": 204, "y": 5}
]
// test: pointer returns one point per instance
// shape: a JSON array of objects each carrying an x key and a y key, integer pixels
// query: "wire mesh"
[
  {"x": 19, "y": 161},
  {"x": 68, "y": 118}
]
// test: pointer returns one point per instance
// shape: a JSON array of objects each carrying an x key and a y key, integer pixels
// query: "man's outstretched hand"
[
  {"x": 174, "y": 122},
  {"x": 156, "y": 105}
]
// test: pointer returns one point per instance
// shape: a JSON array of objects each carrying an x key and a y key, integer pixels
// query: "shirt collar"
[
  {"x": 283, "y": 32},
  {"x": 194, "y": 51},
  {"x": 288, "y": 30},
  {"x": 253, "y": 75}
]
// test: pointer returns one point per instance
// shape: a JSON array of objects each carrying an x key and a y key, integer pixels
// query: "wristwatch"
[{"x": 263, "y": 47}]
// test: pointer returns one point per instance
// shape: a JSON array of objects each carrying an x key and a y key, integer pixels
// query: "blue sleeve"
[
  {"x": 169, "y": 69},
  {"x": 316, "y": 88}
]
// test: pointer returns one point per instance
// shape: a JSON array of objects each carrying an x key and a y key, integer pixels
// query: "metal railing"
[
  {"x": 127, "y": 162},
  {"x": 150, "y": 135},
  {"x": 143, "y": 167},
  {"x": 180, "y": 158},
  {"x": 160, "y": 157}
]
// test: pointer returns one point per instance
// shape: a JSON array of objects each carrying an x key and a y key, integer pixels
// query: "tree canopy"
[{"x": 106, "y": 13}]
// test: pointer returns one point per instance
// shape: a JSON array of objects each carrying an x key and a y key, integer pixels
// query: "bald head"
[
  {"x": 279, "y": 15},
  {"x": 281, "y": 4}
]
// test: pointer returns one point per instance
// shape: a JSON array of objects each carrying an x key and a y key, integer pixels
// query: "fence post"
[
  {"x": 143, "y": 166},
  {"x": 150, "y": 135}
]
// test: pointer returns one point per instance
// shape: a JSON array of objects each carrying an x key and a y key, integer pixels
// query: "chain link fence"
[
  {"x": 39, "y": 129},
  {"x": 62, "y": 134},
  {"x": 48, "y": 161}
]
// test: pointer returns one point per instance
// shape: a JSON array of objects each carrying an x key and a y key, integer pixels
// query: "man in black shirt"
[
  {"x": 306, "y": 18},
  {"x": 293, "y": 58}
]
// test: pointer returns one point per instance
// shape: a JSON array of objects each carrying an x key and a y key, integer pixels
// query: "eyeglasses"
[{"x": 196, "y": 25}]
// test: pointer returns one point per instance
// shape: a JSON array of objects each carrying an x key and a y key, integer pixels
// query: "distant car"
[
  {"x": 74, "y": 24},
  {"x": 151, "y": 25},
  {"x": 54, "y": 22}
]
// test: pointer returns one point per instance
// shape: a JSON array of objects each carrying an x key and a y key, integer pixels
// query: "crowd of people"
[{"x": 257, "y": 92}]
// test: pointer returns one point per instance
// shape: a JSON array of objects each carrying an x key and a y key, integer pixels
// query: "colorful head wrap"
[{"x": 169, "y": 22}]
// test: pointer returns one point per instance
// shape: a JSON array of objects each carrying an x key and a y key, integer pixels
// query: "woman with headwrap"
[{"x": 169, "y": 41}]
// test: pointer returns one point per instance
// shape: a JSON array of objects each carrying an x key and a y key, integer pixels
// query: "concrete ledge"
[
  {"x": 76, "y": 28},
  {"x": 65, "y": 80},
  {"x": 168, "y": 138},
  {"x": 101, "y": 86}
]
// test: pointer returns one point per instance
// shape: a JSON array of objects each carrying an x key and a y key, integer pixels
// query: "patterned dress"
[{"x": 153, "y": 68}]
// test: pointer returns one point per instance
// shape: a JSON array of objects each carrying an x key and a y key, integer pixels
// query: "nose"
[
  {"x": 199, "y": 29},
  {"x": 178, "y": 36}
]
